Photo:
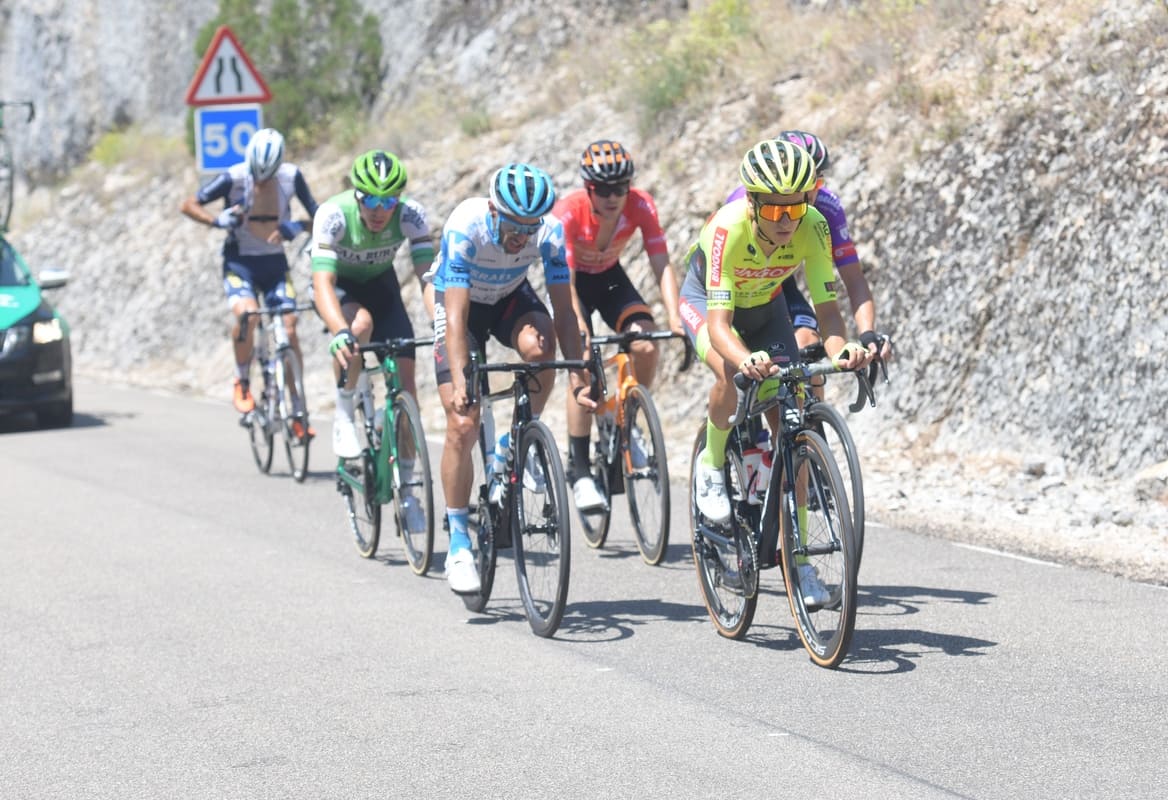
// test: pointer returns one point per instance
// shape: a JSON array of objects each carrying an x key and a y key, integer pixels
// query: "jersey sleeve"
[
  {"x": 455, "y": 262},
  {"x": 328, "y": 229},
  {"x": 551, "y": 250},
  {"x": 416, "y": 229},
  {"x": 218, "y": 188},
  {"x": 652, "y": 234},
  {"x": 719, "y": 275},
  {"x": 819, "y": 270}
]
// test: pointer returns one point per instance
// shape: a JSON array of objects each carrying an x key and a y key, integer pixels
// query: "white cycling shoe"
[
  {"x": 711, "y": 487},
  {"x": 587, "y": 495},
  {"x": 815, "y": 594},
  {"x": 461, "y": 572},
  {"x": 345, "y": 441}
]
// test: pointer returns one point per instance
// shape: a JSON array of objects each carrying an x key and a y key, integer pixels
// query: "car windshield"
[{"x": 10, "y": 273}]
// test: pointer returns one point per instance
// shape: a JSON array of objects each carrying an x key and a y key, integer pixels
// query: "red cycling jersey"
[{"x": 581, "y": 228}]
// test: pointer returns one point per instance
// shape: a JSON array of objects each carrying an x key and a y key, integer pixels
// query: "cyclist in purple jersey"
[{"x": 843, "y": 253}]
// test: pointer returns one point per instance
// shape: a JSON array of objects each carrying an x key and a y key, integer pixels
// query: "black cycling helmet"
[{"x": 605, "y": 161}]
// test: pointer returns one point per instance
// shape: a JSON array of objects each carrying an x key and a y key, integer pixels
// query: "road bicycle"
[
  {"x": 629, "y": 452},
  {"x": 530, "y": 511},
  {"x": 281, "y": 407},
  {"x": 390, "y": 468},
  {"x": 7, "y": 164},
  {"x": 799, "y": 520}
]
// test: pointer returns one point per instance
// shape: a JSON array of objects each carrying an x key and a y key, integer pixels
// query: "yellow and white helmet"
[{"x": 777, "y": 166}]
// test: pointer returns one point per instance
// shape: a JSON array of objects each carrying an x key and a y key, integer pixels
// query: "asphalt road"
[{"x": 175, "y": 624}]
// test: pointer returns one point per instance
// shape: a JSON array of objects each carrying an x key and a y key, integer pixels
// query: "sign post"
[{"x": 226, "y": 92}]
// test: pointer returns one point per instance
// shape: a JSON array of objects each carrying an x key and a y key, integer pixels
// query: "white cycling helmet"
[{"x": 265, "y": 153}]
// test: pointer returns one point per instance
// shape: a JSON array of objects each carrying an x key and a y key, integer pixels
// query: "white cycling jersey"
[{"x": 470, "y": 258}]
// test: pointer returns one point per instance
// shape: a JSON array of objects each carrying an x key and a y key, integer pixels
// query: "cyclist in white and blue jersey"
[{"x": 481, "y": 290}]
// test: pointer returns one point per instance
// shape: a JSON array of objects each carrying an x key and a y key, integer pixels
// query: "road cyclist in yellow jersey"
[{"x": 732, "y": 302}]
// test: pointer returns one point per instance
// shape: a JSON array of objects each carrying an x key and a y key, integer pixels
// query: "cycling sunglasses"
[
  {"x": 521, "y": 228},
  {"x": 775, "y": 211},
  {"x": 373, "y": 202},
  {"x": 609, "y": 189}
]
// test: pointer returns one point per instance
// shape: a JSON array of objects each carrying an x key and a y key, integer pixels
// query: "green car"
[{"x": 36, "y": 366}]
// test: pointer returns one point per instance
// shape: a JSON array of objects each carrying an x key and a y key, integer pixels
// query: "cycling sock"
[
  {"x": 345, "y": 402},
  {"x": 715, "y": 453},
  {"x": 459, "y": 538},
  {"x": 801, "y": 513},
  {"x": 578, "y": 454},
  {"x": 243, "y": 370}
]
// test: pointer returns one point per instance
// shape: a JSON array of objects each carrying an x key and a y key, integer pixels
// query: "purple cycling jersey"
[{"x": 827, "y": 203}]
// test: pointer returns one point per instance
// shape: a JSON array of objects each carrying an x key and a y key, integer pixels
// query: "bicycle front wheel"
[
  {"x": 293, "y": 414},
  {"x": 818, "y": 551},
  {"x": 727, "y": 574},
  {"x": 829, "y": 423},
  {"x": 595, "y": 524},
  {"x": 413, "y": 494},
  {"x": 540, "y": 529},
  {"x": 482, "y": 520},
  {"x": 259, "y": 431},
  {"x": 356, "y": 481},
  {"x": 646, "y": 475}
]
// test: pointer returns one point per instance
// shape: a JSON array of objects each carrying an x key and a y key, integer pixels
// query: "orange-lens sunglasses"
[{"x": 775, "y": 211}]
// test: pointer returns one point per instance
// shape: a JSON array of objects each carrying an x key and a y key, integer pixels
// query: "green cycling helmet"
[{"x": 378, "y": 173}]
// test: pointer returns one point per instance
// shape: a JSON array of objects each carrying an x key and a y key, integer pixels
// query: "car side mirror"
[{"x": 50, "y": 278}]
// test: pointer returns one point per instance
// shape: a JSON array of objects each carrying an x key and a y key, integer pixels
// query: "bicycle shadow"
[{"x": 601, "y": 621}]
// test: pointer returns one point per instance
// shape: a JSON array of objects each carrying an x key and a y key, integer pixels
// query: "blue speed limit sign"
[{"x": 222, "y": 134}]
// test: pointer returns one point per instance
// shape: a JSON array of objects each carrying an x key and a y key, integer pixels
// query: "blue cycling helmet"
[{"x": 521, "y": 190}]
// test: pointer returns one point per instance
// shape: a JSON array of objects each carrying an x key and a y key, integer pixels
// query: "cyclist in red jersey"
[{"x": 599, "y": 221}]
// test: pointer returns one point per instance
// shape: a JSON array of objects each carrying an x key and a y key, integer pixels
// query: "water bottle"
[
  {"x": 757, "y": 461},
  {"x": 498, "y": 466},
  {"x": 764, "y": 469}
]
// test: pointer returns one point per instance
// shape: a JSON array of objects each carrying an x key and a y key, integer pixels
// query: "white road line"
[{"x": 1027, "y": 559}]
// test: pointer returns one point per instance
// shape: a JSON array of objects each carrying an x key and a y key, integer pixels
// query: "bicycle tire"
[
  {"x": 290, "y": 383},
  {"x": 7, "y": 184},
  {"x": 539, "y": 533},
  {"x": 482, "y": 519},
  {"x": 829, "y": 423},
  {"x": 414, "y": 484},
  {"x": 731, "y": 608},
  {"x": 360, "y": 492},
  {"x": 595, "y": 524},
  {"x": 646, "y": 487},
  {"x": 259, "y": 431},
  {"x": 825, "y": 630}
]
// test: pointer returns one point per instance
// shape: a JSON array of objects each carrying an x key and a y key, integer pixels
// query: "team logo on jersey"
[{"x": 717, "y": 250}]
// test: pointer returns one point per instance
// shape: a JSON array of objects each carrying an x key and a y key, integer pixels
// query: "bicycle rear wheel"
[
  {"x": 293, "y": 411},
  {"x": 727, "y": 571},
  {"x": 540, "y": 529},
  {"x": 595, "y": 524},
  {"x": 413, "y": 492},
  {"x": 829, "y": 423},
  {"x": 646, "y": 475},
  {"x": 482, "y": 520},
  {"x": 824, "y": 545},
  {"x": 259, "y": 431}
]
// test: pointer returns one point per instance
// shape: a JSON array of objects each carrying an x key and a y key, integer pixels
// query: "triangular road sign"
[{"x": 226, "y": 75}]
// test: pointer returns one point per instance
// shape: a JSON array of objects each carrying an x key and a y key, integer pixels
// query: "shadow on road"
[{"x": 612, "y": 620}]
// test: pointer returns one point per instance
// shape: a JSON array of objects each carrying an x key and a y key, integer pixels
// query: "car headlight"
[
  {"x": 47, "y": 331},
  {"x": 14, "y": 338}
]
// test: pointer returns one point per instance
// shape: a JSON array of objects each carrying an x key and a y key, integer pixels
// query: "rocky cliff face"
[{"x": 1012, "y": 225}]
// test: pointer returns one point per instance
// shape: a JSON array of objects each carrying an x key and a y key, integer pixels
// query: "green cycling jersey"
[{"x": 343, "y": 245}]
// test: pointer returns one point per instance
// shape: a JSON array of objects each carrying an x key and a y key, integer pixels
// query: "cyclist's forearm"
[
  {"x": 860, "y": 296},
  {"x": 324, "y": 295},
  {"x": 670, "y": 293}
]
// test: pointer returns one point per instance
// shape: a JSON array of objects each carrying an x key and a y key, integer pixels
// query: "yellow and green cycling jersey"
[{"x": 739, "y": 275}]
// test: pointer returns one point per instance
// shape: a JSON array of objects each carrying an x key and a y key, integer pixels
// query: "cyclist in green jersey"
[
  {"x": 355, "y": 237},
  {"x": 732, "y": 301}
]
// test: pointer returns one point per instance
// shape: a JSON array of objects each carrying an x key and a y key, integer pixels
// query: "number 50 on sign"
[{"x": 222, "y": 134}]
